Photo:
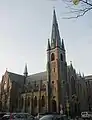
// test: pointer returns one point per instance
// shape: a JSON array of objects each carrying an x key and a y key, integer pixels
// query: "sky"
[{"x": 25, "y": 26}]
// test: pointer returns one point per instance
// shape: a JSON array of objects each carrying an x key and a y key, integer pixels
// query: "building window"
[
  {"x": 61, "y": 57},
  {"x": 52, "y": 82},
  {"x": 43, "y": 101},
  {"x": 28, "y": 101},
  {"x": 52, "y": 57},
  {"x": 21, "y": 102},
  {"x": 35, "y": 101},
  {"x": 43, "y": 86},
  {"x": 73, "y": 85}
]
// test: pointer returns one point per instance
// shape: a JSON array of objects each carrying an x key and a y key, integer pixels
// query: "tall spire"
[
  {"x": 25, "y": 71},
  {"x": 48, "y": 47},
  {"x": 83, "y": 75},
  {"x": 55, "y": 36}
]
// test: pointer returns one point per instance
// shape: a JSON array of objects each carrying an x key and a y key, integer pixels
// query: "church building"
[{"x": 58, "y": 88}]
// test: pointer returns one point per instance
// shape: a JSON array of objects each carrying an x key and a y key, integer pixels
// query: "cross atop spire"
[
  {"x": 55, "y": 36},
  {"x": 25, "y": 71}
]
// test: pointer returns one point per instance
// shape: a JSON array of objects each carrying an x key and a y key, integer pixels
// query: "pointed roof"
[
  {"x": 48, "y": 47},
  {"x": 63, "y": 46},
  {"x": 25, "y": 70},
  {"x": 37, "y": 77},
  {"x": 55, "y": 35},
  {"x": 79, "y": 73},
  {"x": 16, "y": 77},
  {"x": 82, "y": 74},
  {"x": 71, "y": 64}
]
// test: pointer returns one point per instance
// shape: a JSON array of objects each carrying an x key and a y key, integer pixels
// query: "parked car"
[
  {"x": 18, "y": 116},
  {"x": 7, "y": 117},
  {"x": 2, "y": 114},
  {"x": 86, "y": 114},
  {"x": 54, "y": 117},
  {"x": 39, "y": 115},
  {"x": 47, "y": 117}
]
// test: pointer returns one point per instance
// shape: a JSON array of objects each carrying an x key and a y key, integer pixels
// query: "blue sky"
[{"x": 25, "y": 26}]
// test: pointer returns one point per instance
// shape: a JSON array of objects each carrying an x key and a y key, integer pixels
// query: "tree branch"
[
  {"x": 86, "y": 2},
  {"x": 79, "y": 15},
  {"x": 77, "y": 10}
]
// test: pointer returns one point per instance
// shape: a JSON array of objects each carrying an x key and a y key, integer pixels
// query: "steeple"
[
  {"x": 63, "y": 47},
  {"x": 71, "y": 64},
  {"x": 79, "y": 73},
  {"x": 25, "y": 71},
  {"x": 48, "y": 47},
  {"x": 55, "y": 36},
  {"x": 83, "y": 75}
]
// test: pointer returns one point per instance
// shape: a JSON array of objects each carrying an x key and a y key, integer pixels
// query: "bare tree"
[{"x": 77, "y": 8}]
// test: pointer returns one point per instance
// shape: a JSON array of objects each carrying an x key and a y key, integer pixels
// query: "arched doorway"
[
  {"x": 43, "y": 101},
  {"x": 35, "y": 102},
  {"x": 32, "y": 106},
  {"x": 35, "y": 105},
  {"x": 21, "y": 103},
  {"x": 43, "y": 105},
  {"x": 54, "y": 107}
]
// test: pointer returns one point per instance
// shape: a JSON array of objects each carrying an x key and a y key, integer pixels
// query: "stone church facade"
[{"x": 59, "y": 87}]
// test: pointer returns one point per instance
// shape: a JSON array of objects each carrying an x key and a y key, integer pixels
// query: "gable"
[
  {"x": 5, "y": 83},
  {"x": 19, "y": 79}
]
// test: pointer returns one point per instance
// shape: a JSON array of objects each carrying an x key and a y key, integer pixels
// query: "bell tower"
[{"x": 56, "y": 68}]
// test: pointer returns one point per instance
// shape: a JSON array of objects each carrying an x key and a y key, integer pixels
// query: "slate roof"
[
  {"x": 19, "y": 79},
  {"x": 16, "y": 78},
  {"x": 37, "y": 77}
]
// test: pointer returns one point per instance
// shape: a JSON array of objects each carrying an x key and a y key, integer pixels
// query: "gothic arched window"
[
  {"x": 73, "y": 85},
  {"x": 21, "y": 102},
  {"x": 28, "y": 100},
  {"x": 61, "y": 57},
  {"x": 52, "y": 57},
  {"x": 35, "y": 101},
  {"x": 43, "y": 86},
  {"x": 43, "y": 101}
]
